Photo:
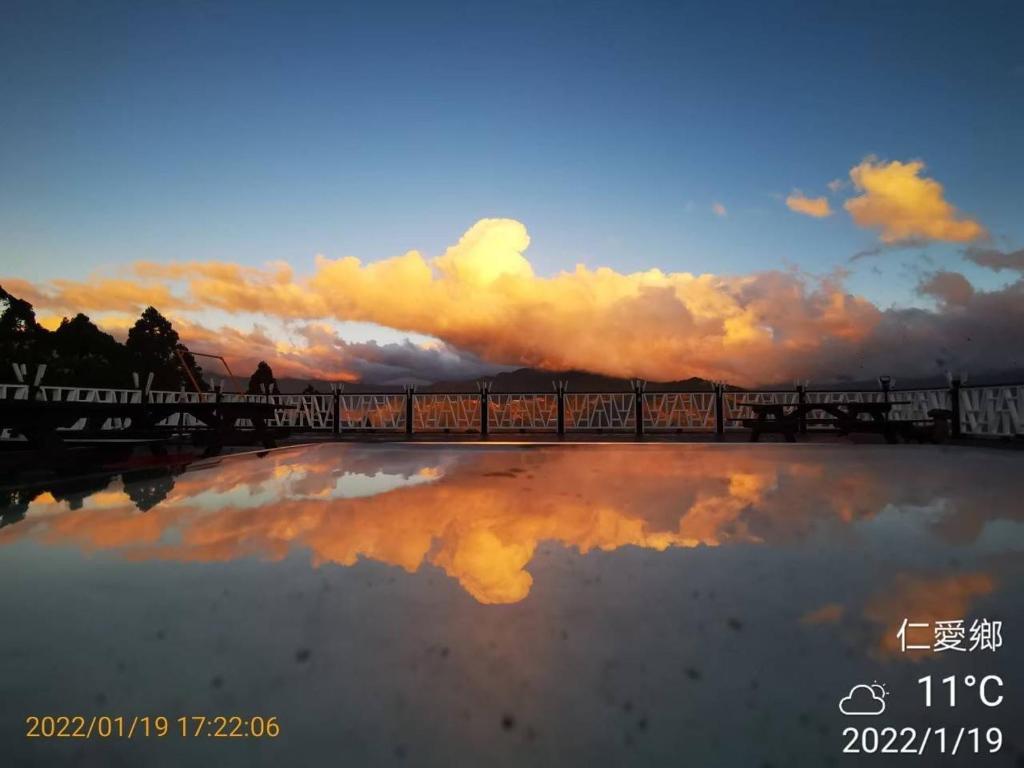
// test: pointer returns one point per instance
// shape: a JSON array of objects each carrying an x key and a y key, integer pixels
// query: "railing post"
[
  {"x": 885, "y": 382},
  {"x": 19, "y": 376},
  {"x": 956, "y": 380},
  {"x": 336, "y": 404},
  {"x": 719, "y": 409},
  {"x": 801, "y": 399},
  {"x": 560, "y": 387},
  {"x": 484, "y": 387},
  {"x": 410, "y": 392},
  {"x": 32, "y": 387},
  {"x": 639, "y": 385},
  {"x": 181, "y": 413}
]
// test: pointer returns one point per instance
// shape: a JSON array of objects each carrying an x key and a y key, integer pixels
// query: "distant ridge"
[
  {"x": 520, "y": 380},
  {"x": 536, "y": 380}
]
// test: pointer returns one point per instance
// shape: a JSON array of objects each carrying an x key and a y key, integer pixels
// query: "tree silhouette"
[
  {"x": 148, "y": 487},
  {"x": 153, "y": 346},
  {"x": 79, "y": 353},
  {"x": 262, "y": 380},
  {"x": 22, "y": 339},
  {"x": 84, "y": 353}
]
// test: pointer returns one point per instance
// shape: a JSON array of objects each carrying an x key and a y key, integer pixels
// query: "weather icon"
[{"x": 864, "y": 699}]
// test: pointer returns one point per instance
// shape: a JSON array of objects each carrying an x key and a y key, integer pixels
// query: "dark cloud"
[
  {"x": 878, "y": 250},
  {"x": 996, "y": 260},
  {"x": 951, "y": 288},
  {"x": 982, "y": 334},
  {"x": 408, "y": 363}
]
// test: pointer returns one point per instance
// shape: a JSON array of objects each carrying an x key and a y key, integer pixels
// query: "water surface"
[{"x": 510, "y": 605}]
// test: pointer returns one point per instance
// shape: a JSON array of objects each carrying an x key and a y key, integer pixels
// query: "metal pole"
[
  {"x": 886, "y": 384},
  {"x": 719, "y": 409},
  {"x": 560, "y": 394},
  {"x": 336, "y": 390},
  {"x": 639, "y": 385},
  {"x": 485, "y": 388},
  {"x": 955, "y": 382},
  {"x": 410, "y": 391},
  {"x": 801, "y": 398},
  {"x": 181, "y": 414}
]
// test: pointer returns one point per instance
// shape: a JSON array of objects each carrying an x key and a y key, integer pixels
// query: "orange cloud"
[
  {"x": 485, "y": 304},
  {"x": 817, "y": 207},
  {"x": 905, "y": 205},
  {"x": 482, "y": 296}
]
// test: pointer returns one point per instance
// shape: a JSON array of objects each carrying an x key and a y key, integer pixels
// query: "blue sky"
[{"x": 257, "y": 131}]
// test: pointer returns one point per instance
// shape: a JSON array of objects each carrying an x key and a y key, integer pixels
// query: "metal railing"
[{"x": 980, "y": 411}]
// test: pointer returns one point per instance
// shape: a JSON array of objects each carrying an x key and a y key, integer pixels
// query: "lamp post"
[
  {"x": 719, "y": 408},
  {"x": 484, "y": 387},
  {"x": 801, "y": 400},
  {"x": 885, "y": 382},
  {"x": 336, "y": 390},
  {"x": 410, "y": 392},
  {"x": 639, "y": 385},
  {"x": 956, "y": 381},
  {"x": 560, "y": 387}
]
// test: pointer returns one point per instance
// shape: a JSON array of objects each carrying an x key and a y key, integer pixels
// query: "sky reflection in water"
[
  {"x": 480, "y": 514},
  {"x": 667, "y": 564}
]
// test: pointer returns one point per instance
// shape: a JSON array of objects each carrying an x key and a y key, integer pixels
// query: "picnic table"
[
  {"x": 787, "y": 418},
  {"x": 40, "y": 421}
]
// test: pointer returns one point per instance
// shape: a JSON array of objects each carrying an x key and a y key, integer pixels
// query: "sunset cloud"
[
  {"x": 316, "y": 350},
  {"x": 904, "y": 205},
  {"x": 483, "y": 300},
  {"x": 817, "y": 207}
]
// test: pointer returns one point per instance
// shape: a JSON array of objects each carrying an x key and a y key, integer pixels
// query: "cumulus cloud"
[
  {"x": 817, "y": 207},
  {"x": 903, "y": 204},
  {"x": 482, "y": 299},
  {"x": 997, "y": 260}
]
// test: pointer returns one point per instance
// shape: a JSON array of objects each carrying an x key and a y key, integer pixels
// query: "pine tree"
[
  {"x": 83, "y": 354},
  {"x": 262, "y": 380},
  {"x": 153, "y": 345},
  {"x": 22, "y": 339}
]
